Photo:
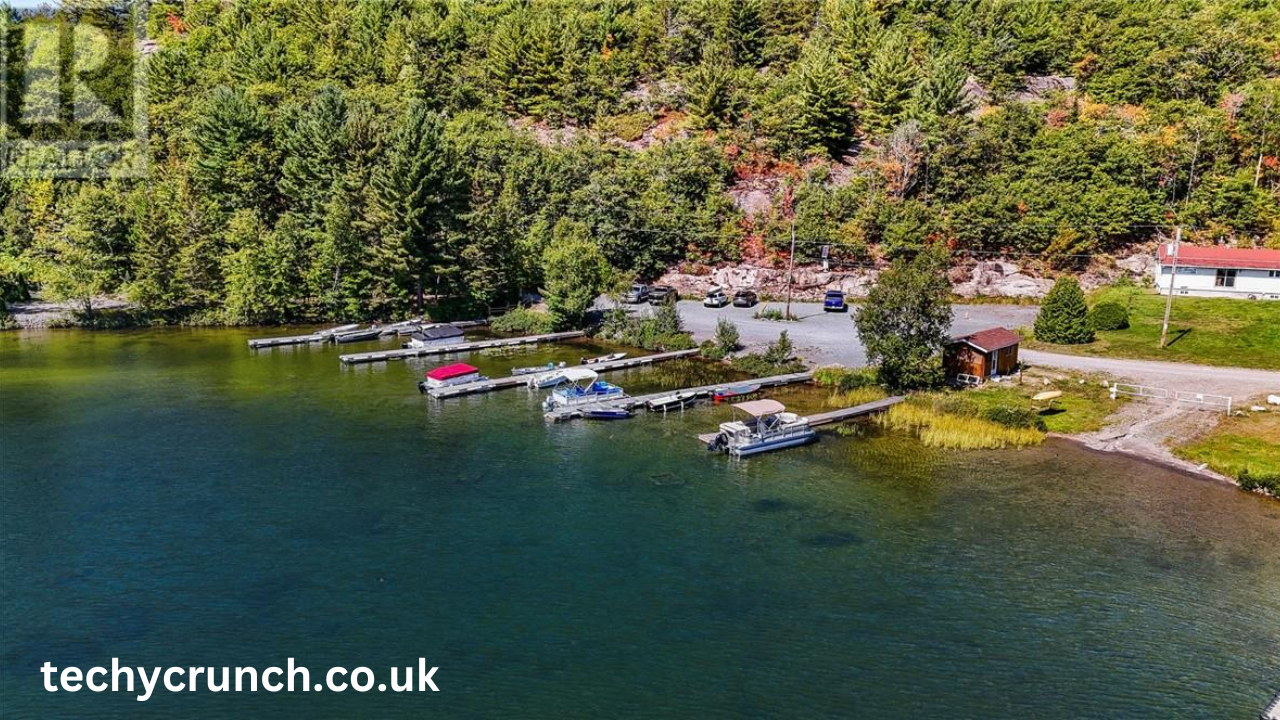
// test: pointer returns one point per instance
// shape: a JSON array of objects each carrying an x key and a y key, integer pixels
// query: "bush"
[
  {"x": 662, "y": 330},
  {"x": 727, "y": 337},
  {"x": 769, "y": 314},
  {"x": 1109, "y": 316},
  {"x": 1015, "y": 417},
  {"x": 1064, "y": 317},
  {"x": 1266, "y": 482},
  {"x": 779, "y": 351},
  {"x": 758, "y": 365},
  {"x": 844, "y": 379},
  {"x": 523, "y": 321}
]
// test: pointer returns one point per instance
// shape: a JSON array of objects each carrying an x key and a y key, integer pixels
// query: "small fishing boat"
[
  {"x": 581, "y": 386},
  {"x": 435, "y": 337},
  {"x": 766, "y": 425},
  {"x": 535, "y": 369},
  {"x": 351, "y": 336},
  {"x": 726, "y": 392},
  {"x": 672, "y": 402},
  {"x": 603, "y": 358},
  {"x": 608, "y": 414},
  {"x": 337, "y": 330},
  {"x": 447, "y": 375}
]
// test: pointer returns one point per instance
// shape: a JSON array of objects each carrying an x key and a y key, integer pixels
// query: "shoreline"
[{"x": 1167, "y": 462}]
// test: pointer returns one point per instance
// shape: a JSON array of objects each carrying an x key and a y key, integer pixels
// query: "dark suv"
[
  {"x": 662, "y": 294},
  {"x": 745, "y": 298}
]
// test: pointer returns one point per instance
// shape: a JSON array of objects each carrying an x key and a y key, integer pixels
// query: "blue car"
[{"x": 834, "y": 302}]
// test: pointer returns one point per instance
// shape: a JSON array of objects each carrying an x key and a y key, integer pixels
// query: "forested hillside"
[{"x": 313, "y": 160}]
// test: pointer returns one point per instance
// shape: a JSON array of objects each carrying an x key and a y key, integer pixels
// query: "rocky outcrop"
[
  {"x": 996, "y": 278},
  {"x": 810, "y": 281}
]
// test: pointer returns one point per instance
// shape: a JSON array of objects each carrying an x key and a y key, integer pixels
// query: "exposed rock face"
[
  {"x": 809, "y": 284},
  {"x": 996, "y": 278}
]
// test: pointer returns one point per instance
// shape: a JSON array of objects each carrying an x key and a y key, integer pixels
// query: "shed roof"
[
  {"x": 1222, "y": 257},
  {"x": 761, "y": 407},
  {"x": 991, "y": 339}
]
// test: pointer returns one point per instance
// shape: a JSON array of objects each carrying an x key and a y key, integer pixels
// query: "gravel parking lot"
[{"x": 827, "y": 338}]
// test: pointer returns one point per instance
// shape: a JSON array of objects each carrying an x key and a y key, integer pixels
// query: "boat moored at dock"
[
  {"x": 446, "y": 375},
  {"x": 370, "y": 333},
  {"x": 602, "y": 359},
  {"x": 674, "y": 401},
  {"x": 581, "y": 386},
  {"x": 766, "y": 426},
  {"x": 536, "y": 369},
  {"x": 434, "y": 336},
  {"x": 607, "y": 413},
  {"x": 727, "y": 392}
]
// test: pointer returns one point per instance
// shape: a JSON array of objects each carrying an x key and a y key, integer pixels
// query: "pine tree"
[
  {"x": 709, "y": 88},
  {"x": 745, "y": 31},
  {"x": 315, "y": 145},
  {"x": 1064, "y": 316},
  {"x": 234, "y": 159},
  {"x": 824, "y": 103},
  {"x": 853, "y": 28},
  {"x": 942, "y": 90},
  {"x": 890, "y": 78},
  {"x": 418, "y": 194}
]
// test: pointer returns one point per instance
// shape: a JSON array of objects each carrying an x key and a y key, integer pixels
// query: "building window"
[
  {"x": 1225, "y": 278},
  {"x": 1273, "y": 273}
]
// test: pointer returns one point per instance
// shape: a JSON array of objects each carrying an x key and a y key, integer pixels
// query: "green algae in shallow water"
[{"x": 178, "y": 499}]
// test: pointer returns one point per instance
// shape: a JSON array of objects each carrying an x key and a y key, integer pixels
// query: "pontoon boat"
[
  {"x": 766, "y": 425},
  {"x": 581, "y": 387}
]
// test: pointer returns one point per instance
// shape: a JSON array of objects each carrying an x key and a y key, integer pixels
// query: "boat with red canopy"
[{"x": 446, "y": 375}]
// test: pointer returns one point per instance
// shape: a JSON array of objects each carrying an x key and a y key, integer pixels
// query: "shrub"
[
  {"x": 709, "y": 350},
  {"x": 660, "y": 330},
  {"x": 844, "y": 379},
  {"x": 1109, "y": 316},
  {"x": 727, "y": 337},
  {"x": 523, "y": 321},
  {"x": 1015, "y": 417},
  {"x": 1064, "y": 317},
  {"x": 1266, "y": 482},
  {"x": 758, "y": 365},
  {"x": 779, "y": 351},
  {"x": 769, "y": 314}
]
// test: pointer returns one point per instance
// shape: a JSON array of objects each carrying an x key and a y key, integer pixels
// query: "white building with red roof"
[{"x": 1251, "y": 273}]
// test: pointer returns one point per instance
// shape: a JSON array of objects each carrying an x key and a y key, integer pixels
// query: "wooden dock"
[
  {"x": 1272, "y": 710},
  {"x": 509, "y": 382},
  {"x": 403, "y": 353},
  {"x": 835, "y": 416},
  {"x": 629, "y": 403},
  {"x": 324, "y": 336}
]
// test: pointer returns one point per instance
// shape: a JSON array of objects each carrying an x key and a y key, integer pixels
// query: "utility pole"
[
  {"x": 1173, "y": 275},
  {"x": 791, "y": 264}
]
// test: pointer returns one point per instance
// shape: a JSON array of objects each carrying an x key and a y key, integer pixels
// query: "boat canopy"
[
  {"x": 448, "y": 372},
  {"x": 441, "y": 332},
  {"x": 579, "y": 374},
  {"x": 759, "y": 408}
]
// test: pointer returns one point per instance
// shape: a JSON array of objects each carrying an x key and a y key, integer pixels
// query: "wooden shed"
[{"x": 983, "y": 354}]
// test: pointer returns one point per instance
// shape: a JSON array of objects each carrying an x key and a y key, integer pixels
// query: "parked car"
[
  {"x": 834, "y": 302},
  {"x": 661, "y": 294},
  {"x": 745, "y": 298},
  {"x": 636, "y": 295},
  {"x": 716, "y": 298}
]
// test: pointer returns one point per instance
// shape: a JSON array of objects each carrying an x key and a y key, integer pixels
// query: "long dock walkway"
[
  {"x": 834, "y": 416},
  {"x": 324, "y": 336},
  {"x": 509, "y": 382},
  {"x": 628, "y": 403},
  {"x": 401, "y": 354},
  {"x": 1272, "y": 711}
]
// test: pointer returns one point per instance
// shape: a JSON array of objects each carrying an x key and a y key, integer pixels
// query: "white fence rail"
[
  {"x": 966, "y": 379},
  {"x": 1144, "y": 391},
  {"x": 1216, "y": 402},
  {"x": 1205, "y": 400}
]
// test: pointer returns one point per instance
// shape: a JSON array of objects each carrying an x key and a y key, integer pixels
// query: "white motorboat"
[
  {"x": 766, "y": 425},
  {"x": 602, "y": 359},
  {"x": 535, "y": 369},
  {"x": 435, "y": 337},
  {"x": 675, "y": 401}
]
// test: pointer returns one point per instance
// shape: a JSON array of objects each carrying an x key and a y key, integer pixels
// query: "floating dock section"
[
  {"x": 835, "y": 416},
  {"x": 509, "y": 382},
  {"x": 1272, "y": 710},
  {"x": 401, "y": 354},
  {"x": 628, "y": 403},
  {"x": 324, "y": 336}
]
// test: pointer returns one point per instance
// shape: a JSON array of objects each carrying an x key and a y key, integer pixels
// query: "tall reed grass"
[
  {"x": 955, "y": 432},
  {"x": 855, "y": 397}
]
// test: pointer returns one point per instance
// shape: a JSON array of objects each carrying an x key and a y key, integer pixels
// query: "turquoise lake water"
[{"x": 168, "y": 497}]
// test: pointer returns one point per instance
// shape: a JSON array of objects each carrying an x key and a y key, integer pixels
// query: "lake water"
[{"x": 168, "y": 497}]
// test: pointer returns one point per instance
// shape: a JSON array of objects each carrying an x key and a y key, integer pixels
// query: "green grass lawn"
[
  {"x": 1237, "y": 443},
  {"x": 1082, "y": 407},
  {"x": 1209, "y": 331}
]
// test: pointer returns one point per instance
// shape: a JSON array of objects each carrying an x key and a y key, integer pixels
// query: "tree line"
[{"x": 348, "y": 159}]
